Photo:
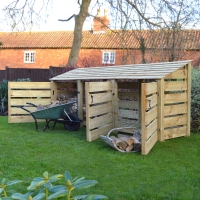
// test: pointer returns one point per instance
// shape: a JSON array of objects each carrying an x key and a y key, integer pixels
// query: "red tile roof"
[{"x": 98, "y": 40}]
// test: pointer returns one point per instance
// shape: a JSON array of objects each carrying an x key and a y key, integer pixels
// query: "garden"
[{"x": 170, "y": 171}]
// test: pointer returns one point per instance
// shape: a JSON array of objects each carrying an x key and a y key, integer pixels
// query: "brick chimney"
[{"x": 101, "y": 21}]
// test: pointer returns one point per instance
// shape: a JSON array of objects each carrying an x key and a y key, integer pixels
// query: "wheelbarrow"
[{"x": 58, "y": 114}]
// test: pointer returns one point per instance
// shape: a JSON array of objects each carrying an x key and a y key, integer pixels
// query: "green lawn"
[{"x": 170, "y": 171}]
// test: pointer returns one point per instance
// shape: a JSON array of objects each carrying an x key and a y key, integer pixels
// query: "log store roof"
[{"x": 136, "y": 71}]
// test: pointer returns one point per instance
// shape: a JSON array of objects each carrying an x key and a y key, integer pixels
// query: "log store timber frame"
[{"x": 154, "y": 97}]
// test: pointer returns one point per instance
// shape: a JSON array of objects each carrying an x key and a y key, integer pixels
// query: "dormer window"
[
  {"x": 29, "y": 56},
  {"x": 108, "y": 57}
]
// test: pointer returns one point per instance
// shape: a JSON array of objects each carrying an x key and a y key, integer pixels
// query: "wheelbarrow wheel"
[{"x": 72, "y": 126}]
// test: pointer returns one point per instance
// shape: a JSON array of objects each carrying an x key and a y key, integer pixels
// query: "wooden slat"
[
  {"x": 175, "y": 85},
  {"x": 115, "y": 106},
  {"x": 175, "y": 98},
  {"x": 99, "y": 86},
  {"x": 175, "y": 121},
  {"x": 178, "y": 74},
  {"x": 22, "y": 102},
  {"x": 151, "y": 101},
  {"x": 128, "y": 113},
  {"x": 128, "y": 122},
  {"x": 100, "y": 109},
  {"x": 175, "y": 109},
  {"x": 175, "y": 132},
  {"x": 95, "y": 134},
  {"x": 22, "y": 119},
  {"x": 129, "y": 104},
  {"x": 151, "y": 128},
  {"x": 150, "y": 143},
  {"x": 151, "y": 115},
  {"x": 100, "y": 121},
  {"x": 14, "y": 110},
  {"x": 128, "y": 96},
  {"x": 150, "y": 88},
  {"x": 99, "y": 98},
  {"x": 188, "y": 97},
  {"x": 30, "y": 93},
  {"x": 28, "y": 85}
]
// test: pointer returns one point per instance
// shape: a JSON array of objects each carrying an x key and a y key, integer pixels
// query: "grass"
[{"x": 170, "y": 171}]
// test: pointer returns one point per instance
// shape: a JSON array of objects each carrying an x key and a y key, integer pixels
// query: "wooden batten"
[{"x": 80, "y": 99}]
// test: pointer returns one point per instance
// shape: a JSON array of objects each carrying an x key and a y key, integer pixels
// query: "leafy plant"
[
  {"x": 195, "y": 97},
  {"x": 43, "y": 188}
]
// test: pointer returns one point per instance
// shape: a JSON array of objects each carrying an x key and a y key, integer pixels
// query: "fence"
[{"x": 35, "y": 74}]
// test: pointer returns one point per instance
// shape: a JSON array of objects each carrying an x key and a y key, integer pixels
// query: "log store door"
[
  {"x": 149, "y": 116},
  {"x": 99, "y": 109}
]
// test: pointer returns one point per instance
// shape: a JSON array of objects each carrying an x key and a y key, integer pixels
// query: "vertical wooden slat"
[
  {"x": 188, "y": 98},
  {"x": 53, "y": 90},
  {"x": 139, "y": 101},
  {"x": 143, "y": 111},
  {"x": 87, "y": 111},
  {"x": 115, "y": 103},
  {"x": 9, "y": 103},
  {"x": 161, "y": 110},
  {"x": 80, "y": 99}
]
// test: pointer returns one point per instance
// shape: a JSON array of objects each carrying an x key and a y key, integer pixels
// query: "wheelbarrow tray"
[{"x": 54, "y": 112}]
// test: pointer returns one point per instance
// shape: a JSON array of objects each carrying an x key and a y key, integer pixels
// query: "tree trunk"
[{"x": 79, "y": 21}]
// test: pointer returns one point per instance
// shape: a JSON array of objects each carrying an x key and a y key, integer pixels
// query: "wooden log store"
[{"x": 154, "y": 98}]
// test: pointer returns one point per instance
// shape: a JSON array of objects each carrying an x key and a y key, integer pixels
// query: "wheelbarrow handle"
[{"x": 31, "y": 104}]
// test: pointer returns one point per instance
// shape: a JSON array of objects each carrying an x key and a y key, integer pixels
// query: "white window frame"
[
  {"x": 29, "y": 56},
  {"x": 108, "y": 57}
]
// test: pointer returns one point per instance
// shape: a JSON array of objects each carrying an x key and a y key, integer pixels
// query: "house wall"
[{"x": 14, "y": 58}]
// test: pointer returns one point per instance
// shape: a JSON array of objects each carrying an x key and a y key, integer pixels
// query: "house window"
[
  {"x": 108, "y": 57},
  {"x": 29, "y": 56}
]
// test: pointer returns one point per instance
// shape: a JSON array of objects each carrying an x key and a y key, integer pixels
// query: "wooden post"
[
  {"x": 53, "y": 90},
  {"x": 143, "y": 112},
  {"x": 80, "y": 99},
  {"x": 114, "y": 103},
  {"x": 188, "y": 98},
  {"x": 9, "y": 103},
  {"x": 139, "y": 100},
  {"x": 161, "y": 110},
  {"x": 87, "y": 107}
]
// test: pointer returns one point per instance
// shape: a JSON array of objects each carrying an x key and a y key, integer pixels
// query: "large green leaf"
[
  {"x": 58, "y": 194},
  {"x": 85, "y": 184},
  {"x": 67, "y": 176},
  {"x": 39, "y": 196},
  {"x": 3, "y": 181},
  {"x": 93, "y": 197},
  {"x": 55, "y": 177},
  {"x": 1, "y": 190},
  {"x": 13, "y": 182},
  {"x": 20, "y": 196},
  {"x": 57, "y": 188},
  {"x": 6, "y": 198}
]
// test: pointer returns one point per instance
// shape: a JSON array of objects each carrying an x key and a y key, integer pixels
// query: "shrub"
[{"x": 195, "y": 99}]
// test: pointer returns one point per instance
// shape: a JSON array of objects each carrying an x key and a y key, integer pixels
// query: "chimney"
[{"x": 101, "y": 22}]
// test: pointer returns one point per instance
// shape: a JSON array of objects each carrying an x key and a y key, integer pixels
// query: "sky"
[{"x": 62, "y": 9}]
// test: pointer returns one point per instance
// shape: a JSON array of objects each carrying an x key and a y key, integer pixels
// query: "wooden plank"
[
  {"x": 28, "y": 85},
  {"x": 14, "y": 110},
  {"x": 175, "y": 85},
  {"x": 23, "y": 119},
  {"x": 87, "y": 107},
  {"x": 175, "y": 98},
  {"x": 95, "y": 134},
  {"x": 128, "y": 113},
  {"x": 151, "y": 115},
  {"x": 129, "y": 104},
  {"x": 80, "y": 99},
  {"x": 178, "y": 74},
  {"x": 175, "y": 132},
  {"x": 160, "y": 106},
  {"x": 53, "y": 90},
  {"x": 9, "y": 102},
  {"x": 175, "y": 121},
  {"x": 22, "y": 102},
  {"x": 150, "y": 143},
  {"x": 100, "y": 109},
  {"x": 189, "y": 67},
  {"x": 175, "y": 109},
  {"x": 115, "y": 106},
  {"x": 128, "y": 96},
  {"x": 151, "y": 128},
  {"x": 99, "y": 97},
  {"x": 128, "y": 122},
  {"x": 150, "y": 88},
  {"x": 30, "y": 93},
  {"x": 151, "y": 101},
  {"x": 100, "y": 121},
  {"x": 99, "y": 86}
]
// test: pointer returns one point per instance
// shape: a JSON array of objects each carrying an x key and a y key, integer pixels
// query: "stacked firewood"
[{"x": 126, "y": 142}]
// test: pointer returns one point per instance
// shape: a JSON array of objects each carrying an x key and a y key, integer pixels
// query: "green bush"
[{"x": 195, "y": 99}]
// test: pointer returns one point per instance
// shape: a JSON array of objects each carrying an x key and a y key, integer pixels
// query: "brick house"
[{"x": 100, "y": 46}]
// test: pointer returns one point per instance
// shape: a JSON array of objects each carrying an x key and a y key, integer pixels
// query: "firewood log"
[{"x": 129, "y": 148}]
